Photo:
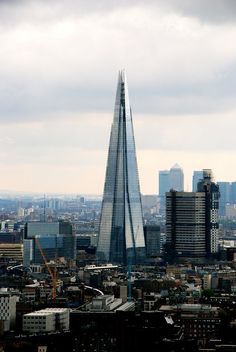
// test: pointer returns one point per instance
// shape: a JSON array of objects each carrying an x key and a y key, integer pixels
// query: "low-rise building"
[
  {"x": 104, "y": 303},
  {"x": 46, "y": 320}
]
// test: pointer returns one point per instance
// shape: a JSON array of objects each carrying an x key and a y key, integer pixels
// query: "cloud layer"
[{"x": 58, "y": 71}]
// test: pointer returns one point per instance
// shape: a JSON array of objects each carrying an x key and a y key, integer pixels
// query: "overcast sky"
[{"x": 59, "y": 63}]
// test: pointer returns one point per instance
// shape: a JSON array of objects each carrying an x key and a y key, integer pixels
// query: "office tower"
[
  {"x": 164, "y": 186},
  {"x": 121, "y": 237},
  {"x": 47, "y": 228},
  {"x": 225, "y": 196},
  {"x": 192, "y": 219},
  {"x": 185, "y": 223},
  {"x": 177, "y": 178},
  {"x": 197, "y": 176},
  {"x": 56, "y": 240},
  {"x": 54, "y": 247},
  {"x": 233, "y": 193},
  {"x": 152, "y": 240},
  {"x": 212, "y": 196},
  {"x": 164, "y": 182}
]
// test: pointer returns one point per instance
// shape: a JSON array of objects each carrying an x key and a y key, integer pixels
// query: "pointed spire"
[{"x": 121, "y": 237}]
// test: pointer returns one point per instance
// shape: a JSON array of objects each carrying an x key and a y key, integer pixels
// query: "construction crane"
[{"x": 53, "y": 273}]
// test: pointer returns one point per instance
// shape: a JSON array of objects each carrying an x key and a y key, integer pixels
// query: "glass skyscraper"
[
  {"x": 197, "y": 176},
  {"x": 177, "y": 178},
  {"x": 121, "y": 237},
  {"x": 53, "y": 246}
]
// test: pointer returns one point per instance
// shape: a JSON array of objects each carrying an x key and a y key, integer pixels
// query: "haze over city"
[{"x": 59, "y": 67}]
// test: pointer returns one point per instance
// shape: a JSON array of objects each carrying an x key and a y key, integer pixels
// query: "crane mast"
[{"x": 53, "y": 273}]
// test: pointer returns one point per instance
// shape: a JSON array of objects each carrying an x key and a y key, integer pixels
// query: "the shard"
[{"x": 121, "y": 236}]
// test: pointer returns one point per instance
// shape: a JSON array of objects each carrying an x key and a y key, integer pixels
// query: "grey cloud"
[
  {"x": 49, "y": 76},
  {"x": 213, "y": 11},
  {"x": 43, "y": 11}
]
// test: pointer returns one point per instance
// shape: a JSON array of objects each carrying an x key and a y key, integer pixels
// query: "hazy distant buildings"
[
  {"x": 197, "y": 176},
  {"x": 192, "y": 219},
  {"x": 164, "y": 182},
  {"x": 164, "y": 186},
  {"x": 225, "y": 196},
  {"x": 121, "y": 237},
  {"x": 177, "y": 178},
  {"x": 233, "y": 192},
  {"x": 170, "y": 179}
]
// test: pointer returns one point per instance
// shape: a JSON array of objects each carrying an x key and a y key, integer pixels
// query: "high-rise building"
[
  {"x": 177, "y": 178},
  {"x": 53, "y": 247},
  {"x": 225, "y": 196},
  {"x": 47, "y": 228},
  {"x": 152, "y": 240},
  {"x": 197, "y": 176},
  {"x": 185, "y": 223},
  {"x": 192, "y": 219},
  {"x": 121, "y": 237},
  {"x": 164, "y": 182},
  {"x": 164, "y": 186},
  {"x": 233, "y": 192},
  {"x": 55, "y": 238},
  {"x": 212, "y": 196}
]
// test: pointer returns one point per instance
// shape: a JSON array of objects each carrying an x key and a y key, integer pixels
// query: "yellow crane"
[{"x": 53, "y": 273}]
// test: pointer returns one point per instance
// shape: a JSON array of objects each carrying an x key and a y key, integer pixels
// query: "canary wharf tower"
[{"x": 121, "y": 237}]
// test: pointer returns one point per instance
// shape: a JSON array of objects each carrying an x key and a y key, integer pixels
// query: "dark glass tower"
[{"x": 121, "y": 237}]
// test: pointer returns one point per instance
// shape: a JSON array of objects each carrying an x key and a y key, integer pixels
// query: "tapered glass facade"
[{"x": 121, "y": 237}]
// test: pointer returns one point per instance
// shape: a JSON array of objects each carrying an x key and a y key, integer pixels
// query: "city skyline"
[{"x": 58, "y": 65}]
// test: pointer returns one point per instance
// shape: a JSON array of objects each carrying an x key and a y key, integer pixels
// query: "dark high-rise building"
[
  {"x": 121, "y": 237},
  {"x": 152, "y": 240},
  {"x": 53, "y": 247},
  {"x": 192, "y": 219},
  {"x": 47, "y": 228},
  {"x": 185, "y": 223},
  {"x": 212, "y": 196},
  {"x": 225, "y": 196},
  {"x": 197, "y": 176},
  {"x": 55, "y": 238}
]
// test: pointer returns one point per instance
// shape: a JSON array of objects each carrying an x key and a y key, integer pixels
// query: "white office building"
[{"x": 47, "y": 320}]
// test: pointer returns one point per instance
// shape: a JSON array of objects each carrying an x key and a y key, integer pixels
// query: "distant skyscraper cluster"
[
  {"x": 170, "y": 179},
  {"x": 191, "y": 217},
  {"x": 227, "y": 198},
  {"x": 197, "y": 176}
]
